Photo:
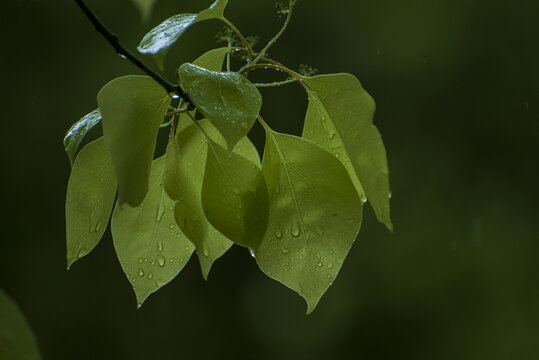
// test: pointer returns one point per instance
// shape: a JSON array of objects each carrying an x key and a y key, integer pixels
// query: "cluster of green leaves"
[{"x": 298, "y": 211}]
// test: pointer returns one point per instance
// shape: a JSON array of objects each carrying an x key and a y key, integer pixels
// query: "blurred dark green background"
[{"x": 456, "y": 86}]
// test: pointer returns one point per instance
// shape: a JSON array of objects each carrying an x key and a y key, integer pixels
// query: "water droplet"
[
  {"x": 318, "y": 256},
  {"x": 278, "y": 233},
  {"x": 319, "y": 264},
  {"x": 141, "y": 272},
  {"x": 329, "y": 277},
  {"x": 252, "y": 252},
  {"x": 150, "y": 276},
  {"x": 140, "y": 260},
  {"x": 171, "y": 226},
  {"x": 352, "y": 220},
  {"x": 175, "y": 96},
  {"x": 160, "y": 244},
  {"x": 295, "y": 229},
  {"x": 145, "y": 260},
  {"x": 331, "y": 251},
  {"x": 332, "y": 136},
  {"x": 187, "y": 248},
  {"x": 364, "y": 200},
  {"x": 330, "y": 266},
  {"x": 236, "y": 190},
  {"x": 160, "y": 260},
  {"x": 122, "y": 56},
  {"x": 205, "y": 252},
  {"x": 98, "y": 226},
  {"x": 390, "y": 195},
  {"x": 171, "y": 260},
  {"x": 286, "y": 250}
]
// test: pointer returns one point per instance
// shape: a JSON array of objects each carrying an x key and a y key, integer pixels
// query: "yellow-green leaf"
[
  {"x": 184, "y": 174},
  {"x": 212, "y": 60},
  {"x": 150, "y": 246},
  {"x": 77, "y": 132},
  {"x": 228, "y": 100},
  {"x": 340, "y": 119},
  {"x": 17, "y": 341},
  {"x": 235, "y": 196},
  {"x": 315, "y": 216},
  {"x": 90, "y": 197},
  {"x": 133, "y": 108}
]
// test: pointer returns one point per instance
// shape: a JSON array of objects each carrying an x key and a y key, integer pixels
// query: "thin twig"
[
  {"x": 276, "y": 83},
  {"x": 122, "y": 51}
]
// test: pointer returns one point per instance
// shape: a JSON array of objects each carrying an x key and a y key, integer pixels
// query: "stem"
[
  {"x": 122, "y": 51},
  {"x": 272, "y": 41},
  {"x": 240, "y": 35},
  {"x": 276, "y": 83}
]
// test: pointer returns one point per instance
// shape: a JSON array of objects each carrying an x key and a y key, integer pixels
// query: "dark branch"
[{"x": 122, "y": 51}]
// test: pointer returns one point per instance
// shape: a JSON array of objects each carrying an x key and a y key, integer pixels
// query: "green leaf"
[
  {"x": 150, "y": 246},
  {"x": 133, "y": 108},
  {"x": 212, "y": 60},
  {"x": 169, "y": 31},
  {"x": 184, "y": 174},
  {"x": 77, "y": 132},
  {"x": 315, "y": 216},
  {"x": 230, "y": 101},
  {"x": 17, "y": 341},
  {"x": 235, "y": 196},
  {"x": 145, "y": 7},
  {"x": 340, "y": 119},
  {"x": 90, "y": 197}
]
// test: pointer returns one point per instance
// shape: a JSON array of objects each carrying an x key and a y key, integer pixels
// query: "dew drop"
[
  {"x": 252, "y": 252},
  {"x": 295, "y": 229},
  {"x": 150, "y": 276},
  {"x": 352, "y": 220},
  {"x": 160, "y": 260},
  {"x": 98, "y": 226},
  {"x": 171, "y": 226},
  {"x": 205, "y": 252},
  {"x": 278, "y": 233},
  {"x": 141, "y": 272},
  {"x": 330, "y": 266},
  {"x": 332, "y": 136},
  {"x": 319, "y": 264},
  {"x": 286, "y": 250},
  {"x": 160, "y": 244},
  {"x": 140, "y": 260},
  {"x": 390, "y": 195}
]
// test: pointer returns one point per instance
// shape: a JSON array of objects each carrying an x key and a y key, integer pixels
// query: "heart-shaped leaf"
[
  {"x": 133, "y": 108},
  {"x": 340, "y": 119},
  {"x": 184, "y": 174},
  {"x": 315, "y": 216},
  {"x": 150, "y": 246},
  {"x": 90, "y": 197},
  {"x": 228, "y": 100}
]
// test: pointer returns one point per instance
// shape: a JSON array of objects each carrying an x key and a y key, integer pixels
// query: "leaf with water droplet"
[
  {"x": 17, "y": 341},
  {"x": 145, "y": 7},
  {"x": 138, "y": 234},
  {"x": 312, "y": 181},
  {"x": 340, "y": 120},
  {"x": 133, "y": 109},
  {"x": 228, "y": 100},
  {"x": 77, "y": 132},
  {"x": 184, "y": 173},
  {"x": 90, "y": 197},
  {"x": 241, "y": 213},
  {"x": 169, "y": 31}
]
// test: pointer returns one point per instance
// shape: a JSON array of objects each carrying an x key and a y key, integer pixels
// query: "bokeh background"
[{"x": 456, "y": 86}]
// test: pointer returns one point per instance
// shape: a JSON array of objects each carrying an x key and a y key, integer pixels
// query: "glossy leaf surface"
[
  {"x": 17, "y": 341},
  {"x": 230, "y": 101},
  {"x": 315, "y": 216},
  {"x": 150, "y": 246},
  {"x": 77, "y": 132},
  {"x": 169, "y": 31},
  {"x": 185, "y": 166},
  {"x": 133, "y": 108},
  {"x": 235, "y": 196},
  {"x": 90, "y": 197},
  {"x": 340, "y": 119}
]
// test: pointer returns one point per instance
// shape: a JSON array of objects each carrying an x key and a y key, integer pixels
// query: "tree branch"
[{"x": 122, "y": 51}]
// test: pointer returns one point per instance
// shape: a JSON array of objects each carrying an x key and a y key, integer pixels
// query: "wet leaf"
[
  {"x": 133, "y": 108},
  {"x": 228, "y": 100},
  {"x": 90, "y": 197},
  {"x": 235, "y": 196},
  {"x": 17, "y": 341},
  {"x": 212, "y": 60},
  {"x": 315, "y": 216},
  {"x": 77, "y": 132},
  {"x": 145, "y": 7},
  {"x": 169, "y": 31},
  {"x": 150, "y": 246},
  {"x": 340, "y": 119},
  {"x": 184, "y": 174}
]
